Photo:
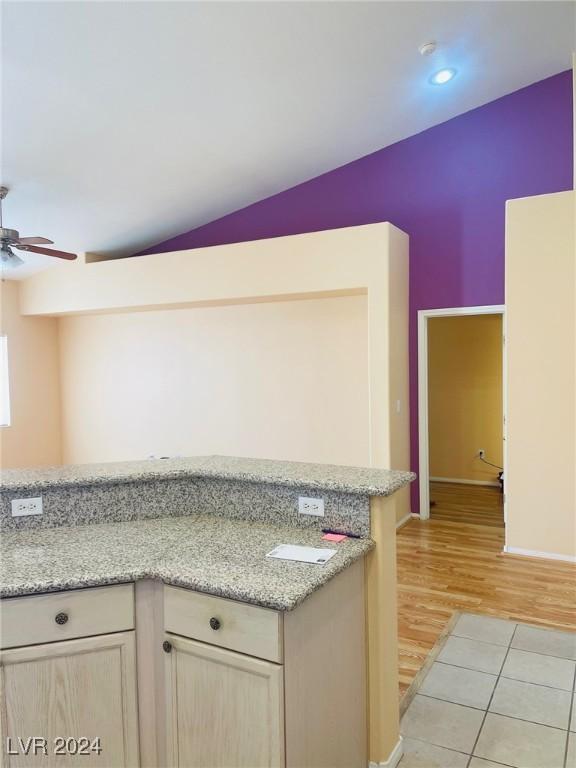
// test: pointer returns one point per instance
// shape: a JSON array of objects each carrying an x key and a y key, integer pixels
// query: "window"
[{"x": 4, "y": 384}]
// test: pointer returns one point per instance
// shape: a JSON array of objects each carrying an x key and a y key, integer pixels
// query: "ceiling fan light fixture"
[
  {"x": 10, "y": 238},
  {"x": 8, "y": 259}
]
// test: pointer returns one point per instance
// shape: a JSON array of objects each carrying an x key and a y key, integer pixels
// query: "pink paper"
[{"x": 334, "y": 537}]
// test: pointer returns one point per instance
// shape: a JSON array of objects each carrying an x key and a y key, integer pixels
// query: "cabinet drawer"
[
  {"x": 65, "y": 615},
  {"x": 227, "y": 623}
]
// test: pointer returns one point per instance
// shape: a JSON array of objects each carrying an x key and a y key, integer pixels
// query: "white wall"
[{"x": 284, "y": 380}]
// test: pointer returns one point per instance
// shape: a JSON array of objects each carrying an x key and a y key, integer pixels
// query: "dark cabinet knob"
[
  {"x": 61, "y": 618},
  {"x": 215, "y": 623},
  {"x": 167, "y": 646}
]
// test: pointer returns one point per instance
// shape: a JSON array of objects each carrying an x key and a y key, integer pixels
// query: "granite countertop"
[
  {"x": 329, "y": 477},
  {"x": 206, "y": 553}
]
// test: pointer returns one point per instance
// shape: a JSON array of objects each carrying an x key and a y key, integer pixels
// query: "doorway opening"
[{"x": 461, "y": 415}]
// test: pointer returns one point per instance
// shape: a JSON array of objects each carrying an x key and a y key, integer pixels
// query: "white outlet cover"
[
  {"x": 24, "y": 507},
  {"x": 310, "y": 506}
]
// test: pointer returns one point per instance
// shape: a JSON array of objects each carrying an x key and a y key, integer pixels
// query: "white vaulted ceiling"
[{"x": 125, "y": 123}]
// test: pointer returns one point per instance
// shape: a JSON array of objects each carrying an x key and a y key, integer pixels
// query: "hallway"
[{"x": 461, "y": 503}]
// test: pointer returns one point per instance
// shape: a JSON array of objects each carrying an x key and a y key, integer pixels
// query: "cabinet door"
[
  {"x": 70, "y": 690},
  {"x": 224, "y": 710}
]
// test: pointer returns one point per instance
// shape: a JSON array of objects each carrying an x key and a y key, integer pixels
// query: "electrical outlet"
[
  {"x": 481, "y": 453},
  {"x": 308, "y": 506},
  {"x": 31, "y": 506}
]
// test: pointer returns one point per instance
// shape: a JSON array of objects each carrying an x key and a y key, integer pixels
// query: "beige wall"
[
  {"x": 541, "y": 368},
  {"x": 465, "y": 396},
  {"x": 33, "y": 438},
  {"x": 282, "y": 380},
  {"x": 369, "y": 261},
  {"x": 398, "y": 405}
]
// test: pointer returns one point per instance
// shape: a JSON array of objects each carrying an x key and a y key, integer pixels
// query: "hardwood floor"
[
  {"x": 446, "y": 566},
  {"x": 459, "y": 503}
]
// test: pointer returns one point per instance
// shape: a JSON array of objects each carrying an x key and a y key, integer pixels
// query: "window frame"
[{"x": 5, "y": 412}]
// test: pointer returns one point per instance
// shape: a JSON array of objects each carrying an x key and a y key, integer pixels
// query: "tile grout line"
[
  {"x": 565, "y": 763},
  {"x": 499, "y": 714},
  {"x": 477, "y": 640},
  {"x": 548, "y": 655},
  {"x": 491, "y": 697},
  {"x": 524, "y": 650},
  {"x": 431, "y": 744},
  {"x": 470, "y": 669},
  {"x": 455, "y": 703},
  {"x": 537, "y": 685},
  {"x": 505, "y": 677}
]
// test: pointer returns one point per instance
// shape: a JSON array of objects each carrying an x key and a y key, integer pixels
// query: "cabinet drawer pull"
[
  {"x": 167, "y": 646},
  {"x": 61, "y": 618},
  {"x": 215, "y": 623}
]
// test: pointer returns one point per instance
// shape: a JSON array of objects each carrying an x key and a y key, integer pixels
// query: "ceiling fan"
[{"x": 10, "y": 238}]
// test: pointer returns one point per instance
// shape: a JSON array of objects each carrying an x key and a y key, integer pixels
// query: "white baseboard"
[
  {"x": 394, "y": 759},
  {"x": 491, "y": 483},
  {"x": 405, "y": 519},
  {"x": 534, "y": 553}
]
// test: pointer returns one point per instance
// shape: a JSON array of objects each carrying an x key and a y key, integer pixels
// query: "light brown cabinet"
[
  {"x": 163, "y": 677},
  {"x": 70, "y": 703},
  {"x": 239, "y": 627},
  {"x": 223, "y": 709},
  {"x": 294, "y": 697},
  {"x": 65, "y": 615}
]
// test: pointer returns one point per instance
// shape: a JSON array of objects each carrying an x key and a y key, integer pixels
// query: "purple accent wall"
[{"x": 445, "y": 187}]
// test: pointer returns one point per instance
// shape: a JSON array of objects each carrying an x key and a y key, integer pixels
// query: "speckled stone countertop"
[
  {"x": 206, "y": 553},
  {"x": 329, "y": 477}
]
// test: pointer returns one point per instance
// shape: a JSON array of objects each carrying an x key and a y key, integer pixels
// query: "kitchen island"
[{"x": 162, "y": 565}]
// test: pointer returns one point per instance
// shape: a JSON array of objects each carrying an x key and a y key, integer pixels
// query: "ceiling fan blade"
[
  {"x": 35, "y": 241},
  {"x": 46, "y": 251}
]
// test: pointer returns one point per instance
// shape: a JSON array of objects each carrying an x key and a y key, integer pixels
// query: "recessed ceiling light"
[{"x": 443, "y": 76}]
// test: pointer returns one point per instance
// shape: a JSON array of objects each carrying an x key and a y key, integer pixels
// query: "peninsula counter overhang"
[{"x": 363, "y": 481}]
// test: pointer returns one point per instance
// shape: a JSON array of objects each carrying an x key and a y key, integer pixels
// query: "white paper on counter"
[{"x": 316, "y": 555}]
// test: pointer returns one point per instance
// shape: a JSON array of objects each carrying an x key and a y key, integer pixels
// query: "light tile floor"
[{"x": 498, "y": 694}]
